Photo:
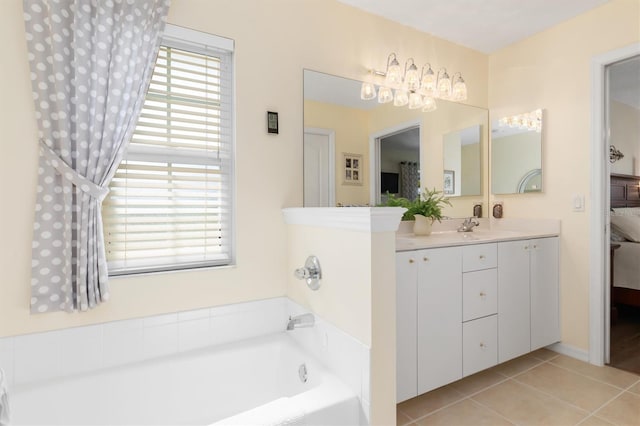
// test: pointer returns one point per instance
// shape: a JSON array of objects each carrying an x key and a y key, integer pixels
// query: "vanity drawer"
[
  {"x": 479, "y": 256},
  {"x": 479, "y": 294},
  {"x": 479, "y": 344}
]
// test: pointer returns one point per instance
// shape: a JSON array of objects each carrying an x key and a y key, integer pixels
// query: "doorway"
[
  {"x": 319, "y": 167},
  {"x": 622, "y": 118},
  {"x": 395, "y": 160},
  {"x": 600, "y": 280}
]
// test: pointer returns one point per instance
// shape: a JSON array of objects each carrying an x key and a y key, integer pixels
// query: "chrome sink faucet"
[
  {"x": 468, "y": 224},
  {"x": 304, "y": 320}
]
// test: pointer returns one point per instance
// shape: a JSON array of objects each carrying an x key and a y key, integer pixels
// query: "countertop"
[{"x": 406, "y": 241}]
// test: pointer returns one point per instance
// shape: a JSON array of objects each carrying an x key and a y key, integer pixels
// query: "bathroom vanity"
[{"x": 469, "y": 301}]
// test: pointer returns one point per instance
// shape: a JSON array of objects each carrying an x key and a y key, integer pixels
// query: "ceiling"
[{"x": 483, "y": 25}]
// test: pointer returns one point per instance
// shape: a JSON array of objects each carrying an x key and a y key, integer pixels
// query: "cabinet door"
[
  {"x": 439, "y": 317},
  {"x": 545, "y": 309},
  {"x": 480, "y": 344},
  {"x": 514, "y": 322},
  {"x": 406, "y": 325}
]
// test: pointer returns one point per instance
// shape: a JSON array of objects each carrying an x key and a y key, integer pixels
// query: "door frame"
[
  {"x": 331, "y": 135},
  {"x": 374, "y": 154},
  {"x": 599, "y": 292}
]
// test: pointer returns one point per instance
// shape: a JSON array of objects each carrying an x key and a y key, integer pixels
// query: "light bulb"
[
  {"x": 412, "y": 77},
  {"x": 444, "y": 86},
  {"x": 367, "y": 91},
  {"x": 394, "y": 72},
  {"x": 459, "y": 91},
  {"x": 401, "y": 98},
  {"x": 429, "y": 104},
  {"x": 415, "y": 100},
  {"x": 428, "y": 85},
  {"x": 384, "y": 95}
]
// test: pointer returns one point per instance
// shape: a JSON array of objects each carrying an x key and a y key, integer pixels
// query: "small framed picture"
[
  {"x": 352, "y": 164},
  {"x": 449, "y": 186},
  {"x": 272, "y": 122}
]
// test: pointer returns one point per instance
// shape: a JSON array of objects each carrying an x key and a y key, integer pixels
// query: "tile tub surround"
[
  {"x": 540, "y": 388},
  {"x": 91, "y": 348}
]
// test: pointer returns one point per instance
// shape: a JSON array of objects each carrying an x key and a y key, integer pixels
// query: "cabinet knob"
[
  {"x": 482, "y": 257},
  {"x": 526, "y": 247},
  {"x": 482, "y": 294},
  {"x": 426, "y": 259},
  {"x": 535, "y": 246},
  {"x": 482, "y": 345},
  {"x": 411, "y": 260}
]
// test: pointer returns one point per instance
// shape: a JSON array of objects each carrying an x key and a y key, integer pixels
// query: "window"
[{"x": 170, "y": 204}]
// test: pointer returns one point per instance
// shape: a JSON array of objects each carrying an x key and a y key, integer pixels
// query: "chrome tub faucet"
[{"x": 304, "y": 320}]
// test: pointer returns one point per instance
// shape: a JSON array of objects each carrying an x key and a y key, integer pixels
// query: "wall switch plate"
[{"x": 577, "y": 202}]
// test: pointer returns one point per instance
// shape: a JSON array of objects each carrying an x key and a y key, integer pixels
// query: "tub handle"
[{"x": 311, "y": 272}]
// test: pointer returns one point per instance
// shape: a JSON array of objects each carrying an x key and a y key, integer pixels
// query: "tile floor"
[{"x": 541, "y": 388}]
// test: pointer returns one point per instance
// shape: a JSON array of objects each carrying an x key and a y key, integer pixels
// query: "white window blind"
[{"x": 170, "y": 204}]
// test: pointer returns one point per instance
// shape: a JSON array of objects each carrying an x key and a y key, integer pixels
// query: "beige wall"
[
  {"x": 625, "y": 135},
  {"x": 351, "y": 136},
  {"x": 551, "y": 70},
  {"x": 274, "y": 41}
]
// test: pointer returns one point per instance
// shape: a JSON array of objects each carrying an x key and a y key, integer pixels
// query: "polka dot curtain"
[{"x": 91, "y": 63}]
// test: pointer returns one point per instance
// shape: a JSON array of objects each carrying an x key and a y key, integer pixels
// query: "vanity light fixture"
[
  {"x": 417, "y": 89},
  {"x": 531, "y": 121},
  {"x": 615, "y": 154}
]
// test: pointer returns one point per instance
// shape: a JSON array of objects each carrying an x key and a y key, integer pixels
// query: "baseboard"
[{"x": 568, "y": 350}]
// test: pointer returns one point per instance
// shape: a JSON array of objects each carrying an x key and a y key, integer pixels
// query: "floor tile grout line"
[
  {"x": 591, "y": 377},
  {"x": 470, "y": 396},
  {"x": 513, "y": 422},
  {"x": 552, "y": 396},
  {"x": 597, "y": 410}
]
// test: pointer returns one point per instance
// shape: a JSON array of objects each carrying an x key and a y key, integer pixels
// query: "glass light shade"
[
  {"x": 394, "y": 74},
  {"x": 415, "y": 100},
  {"x": 429, "y": 104},
  {"x": 367, "y": 91},
  {"x": 444, "y": 87},
  {"x": 401, "y": 98},
  {"x": 412, "y": 78},
  {"x": 428, "y": 85},
  {"x": 459, "y": 91},
  {"x": 384, "y": 95}
]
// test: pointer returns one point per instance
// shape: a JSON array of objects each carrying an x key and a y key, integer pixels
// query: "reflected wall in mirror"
[
  {"x": 374, "y": 131},
  {"x": 516, "y": 154},
  {"x": 462, "y": 162}
]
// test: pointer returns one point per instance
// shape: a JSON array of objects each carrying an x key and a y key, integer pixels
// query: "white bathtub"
[{"x": 254, "y": 381}]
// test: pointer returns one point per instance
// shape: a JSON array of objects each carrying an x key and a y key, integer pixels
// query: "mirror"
[
  {"x": 342, "y": 131},
  {"x": 461, "y": 155},
  {"x": 516, "y": 154}
]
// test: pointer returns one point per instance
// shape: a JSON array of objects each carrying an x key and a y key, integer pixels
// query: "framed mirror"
[
  {"x": 516, "y": 153},
  {"x": 398, "y": 149}
]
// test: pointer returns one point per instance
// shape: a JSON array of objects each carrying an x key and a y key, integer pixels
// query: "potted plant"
[{"x": 424, "y": 209}]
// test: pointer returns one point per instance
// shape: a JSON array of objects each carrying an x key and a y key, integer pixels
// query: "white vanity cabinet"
[
  {"x": 528, "y": 296},
  {"x": 429, "y": 326},
  {"x": 465, "y": 308}
]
